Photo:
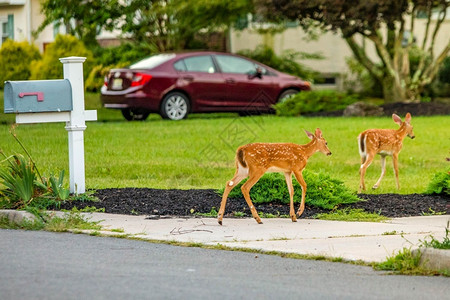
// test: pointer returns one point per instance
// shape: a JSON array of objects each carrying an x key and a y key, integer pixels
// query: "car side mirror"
[{"x": 257, "y": 74}]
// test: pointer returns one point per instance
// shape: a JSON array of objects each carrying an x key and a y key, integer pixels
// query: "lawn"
[{"x": 199, "y": 152}]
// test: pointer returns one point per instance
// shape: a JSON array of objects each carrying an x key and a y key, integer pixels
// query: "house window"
[{"x": 7, "y": 27}]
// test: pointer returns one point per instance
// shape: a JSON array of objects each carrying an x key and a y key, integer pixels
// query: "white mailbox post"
[{"x": 75, "y": 119}]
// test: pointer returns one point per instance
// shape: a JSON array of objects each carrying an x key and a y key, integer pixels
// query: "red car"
[{"x": 176, "y": 84}]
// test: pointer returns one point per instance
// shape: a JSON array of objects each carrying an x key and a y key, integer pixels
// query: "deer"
[
  {"x": 254, "y": 160},
  {"x": 385, "y": 142}
]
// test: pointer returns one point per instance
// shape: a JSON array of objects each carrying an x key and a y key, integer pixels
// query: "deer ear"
[
  {"x": 397, "y": 119},
  {"x": 318, "y": 133},
  {"x": 309, "y": 134},
  {"x": 408, "y": 118}
]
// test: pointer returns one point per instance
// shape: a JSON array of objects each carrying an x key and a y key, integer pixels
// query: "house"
[
  {"x": 19, "y": 18},
  {"x": 330, "y": 45}
]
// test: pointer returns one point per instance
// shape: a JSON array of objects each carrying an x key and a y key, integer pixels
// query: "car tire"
[
  {"x": 134, "y": 114},
  {"x": 286, "y": 95},
  {"x": 175, "y": 106}
]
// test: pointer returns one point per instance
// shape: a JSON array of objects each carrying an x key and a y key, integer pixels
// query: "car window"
[
  {"x": 152, "y": 61},
  {"x": 232, "y": 64},
  {"x": 196, "y": 64}
]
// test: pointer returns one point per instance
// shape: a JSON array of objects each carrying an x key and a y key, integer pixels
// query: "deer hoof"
[
  {"x": 220, "y": 222},
  {"x": 375, "y": 187},
  {"x": 294, "y": 218}
]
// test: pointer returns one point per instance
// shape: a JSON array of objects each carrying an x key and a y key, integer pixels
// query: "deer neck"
[
  {"x": 310, "y": 148},
  {"x": 401, "y": 132}
]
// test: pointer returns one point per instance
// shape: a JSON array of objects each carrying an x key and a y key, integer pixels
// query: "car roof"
[{"x": 184, "y": 54}]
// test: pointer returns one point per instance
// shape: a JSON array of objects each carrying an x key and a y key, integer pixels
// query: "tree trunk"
[{"x": 393, "y": 92}]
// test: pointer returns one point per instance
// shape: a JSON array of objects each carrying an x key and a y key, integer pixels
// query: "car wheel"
[
  {"x": 286, "y": 95},
  {"x": 175, "y": 106},
  {"x": 134, "y": 114}
]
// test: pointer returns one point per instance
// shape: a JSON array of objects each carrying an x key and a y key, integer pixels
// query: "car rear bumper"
[{"x": 128, "y": 99}]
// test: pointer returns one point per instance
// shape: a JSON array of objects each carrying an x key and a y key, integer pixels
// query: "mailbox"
[{"x": 38, "y": 96}]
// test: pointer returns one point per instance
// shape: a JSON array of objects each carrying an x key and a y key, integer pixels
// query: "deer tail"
[
  {"x": 362, "y": 146},
  {"x": 240, "y": 158}
]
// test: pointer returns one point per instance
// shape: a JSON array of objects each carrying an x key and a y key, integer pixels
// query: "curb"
[
  {"x": 434, "y": 259},
  {"x": 17, "y": 216}
]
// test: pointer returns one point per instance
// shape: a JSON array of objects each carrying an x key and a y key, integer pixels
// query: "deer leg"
[
  {"x": 395, "y": 162},
  {"x": 254, "y": 176},
  {"x": 288, "y": 177},
  {"x": 383, "y": 170},
  {"x": 301, "y": 181},
  {"x": 240, "y": 174},
  {"x": 362, "y": 171}
]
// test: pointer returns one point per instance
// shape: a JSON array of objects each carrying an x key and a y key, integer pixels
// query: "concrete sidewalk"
[{"x": 366, "y": 241}]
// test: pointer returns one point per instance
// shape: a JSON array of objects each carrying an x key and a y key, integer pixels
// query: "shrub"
[
  {"x": 440, "y": 184},
  {"x": 22, "y": 186},
  {"x": 19, "y": 179},
  {"x": 286, "y": 62},
  {"x": 64, "y": 45},
  {"x": 114, "y": 57},
  {"x": 444, "y": 71},
  {"x": 97, "y": 75},
  {"x": 15, "y": 60},
  {"x": 322, "y": 190},
  {"x": 123, "y": 54},
  {"x": 359, "y": 80},
  {"x": 315, "y": 101}
]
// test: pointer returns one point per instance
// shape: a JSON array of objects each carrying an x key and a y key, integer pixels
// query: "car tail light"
[
  {"x": 140, "y": 79},
  {"x": 106, "y": 79}
]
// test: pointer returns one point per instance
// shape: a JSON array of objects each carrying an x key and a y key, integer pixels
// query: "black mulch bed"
[
  {"x": 181, "y": 203},
  {"x": 144, "y": 201},
  {"x": 416, "y": 109}
]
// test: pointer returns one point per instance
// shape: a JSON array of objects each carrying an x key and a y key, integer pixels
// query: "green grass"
[
  {"x": 351, "y": 215},
  {"x": 199, "y": 152}
]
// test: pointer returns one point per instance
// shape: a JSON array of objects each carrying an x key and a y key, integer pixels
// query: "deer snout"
[
  {"x": 329, "y": 153},
  {"x": 412, "y": 136}
]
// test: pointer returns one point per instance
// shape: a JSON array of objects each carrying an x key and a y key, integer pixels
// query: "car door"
[
  {"x": 199, "y": 77},
  {"x": 244, "y": 87}
]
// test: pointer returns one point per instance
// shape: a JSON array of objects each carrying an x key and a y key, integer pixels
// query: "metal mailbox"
[{"x": 38, "y": 96}]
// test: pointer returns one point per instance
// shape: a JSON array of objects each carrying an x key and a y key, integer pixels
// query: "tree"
[
  {"x": 172, "y": 24},
  {"x": 15, "y": 60},
  {"x": 166, "y": 24},
  {"x": 82, "y": 19},
  {"x": 388, "y": 24}
]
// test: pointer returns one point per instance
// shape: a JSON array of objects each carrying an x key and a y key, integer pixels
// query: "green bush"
[
  {"x": 322, "y": 190},
  {"x": 315, "y": 101},
  {"x": 123, "y": 54},
  {"x": 108, "y": 58},
  {"x": 361, "y": 81},
  {"x": 19, "y": 179},
  {"x": 440, "y": 184},
  {"x": 15, "y": 60},
  {"x": 64, "y": 45},
  {"x": 444, "y": 71},
  {"x": 97, "y": 75},
  {"x": 286, "y": 62}
]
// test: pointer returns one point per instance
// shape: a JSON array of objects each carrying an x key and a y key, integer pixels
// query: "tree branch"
[
  {"x": 361, "y": 56},
  {"x": 442, "y": 15},
  {"x": 384, "y": 53},
  {"x": 430, "y": 73},
  {"x": 427, "y": 27}
]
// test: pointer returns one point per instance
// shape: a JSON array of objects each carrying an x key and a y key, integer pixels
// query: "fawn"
[
  {"x": 383, "y": 142},
  {"x": 254, "y": 160}
]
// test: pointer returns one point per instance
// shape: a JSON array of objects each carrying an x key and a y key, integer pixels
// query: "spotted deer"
[
  {"x": 383, "y": 142},
  {"x": 254, "y": 160}
]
